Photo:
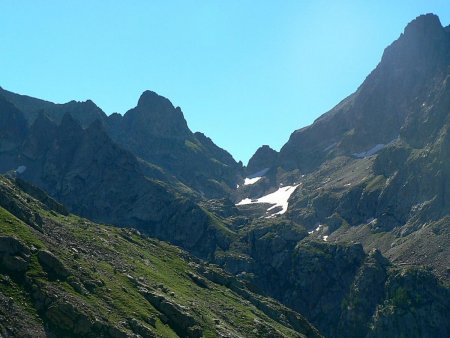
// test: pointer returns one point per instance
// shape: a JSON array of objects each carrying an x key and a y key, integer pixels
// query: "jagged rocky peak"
[
  {"x": 88, "y": 108},
  {"x": 156, "y": 115},
  {"x": 424, "y": 25},
  {"x": 85, "y": 112},
  {"x": 151, "y": 99},
  {"x": 424, "y": 42},
  {"x": 158, "y": 106},
  {"x": 264, "y": 157}
]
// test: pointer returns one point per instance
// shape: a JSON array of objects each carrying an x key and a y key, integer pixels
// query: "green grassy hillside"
[{"x": 66, "y": 276}]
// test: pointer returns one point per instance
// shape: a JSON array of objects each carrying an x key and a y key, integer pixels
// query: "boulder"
[
  {"x": 14, "y": 255},
  {"x": 52, "y": 265},
  {"x": 11, "y": 246},
  {"x": 178, "y": 316},
  {"x": 140, "y": 329}
]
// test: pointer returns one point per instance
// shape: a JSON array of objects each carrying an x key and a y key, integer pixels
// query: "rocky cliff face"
[{"x": 12, "y": 129}]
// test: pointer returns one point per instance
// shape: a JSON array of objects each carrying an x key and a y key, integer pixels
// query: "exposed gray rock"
[
  {"x": 14, "y": 255},
  {"x": 264, "y": 157},
  {"x": 140, "y": 329},
  {"x": 178, "y": 316},
  {"x": 200, "y": 281},
  {"x": 11, "y": 246},
  {"x": 52, "y": 265}
]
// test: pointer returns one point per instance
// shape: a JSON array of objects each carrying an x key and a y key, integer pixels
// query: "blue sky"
[{"x": 245, "y": 73}]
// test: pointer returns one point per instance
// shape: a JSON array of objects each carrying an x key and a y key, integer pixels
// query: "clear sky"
[{"x": 245, "y": 73}]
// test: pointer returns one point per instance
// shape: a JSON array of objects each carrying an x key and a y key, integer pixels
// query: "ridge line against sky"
[{"x": 244, "y": 73}]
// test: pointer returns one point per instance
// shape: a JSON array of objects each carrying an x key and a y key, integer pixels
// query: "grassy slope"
[{"x": 111, "y": 266}]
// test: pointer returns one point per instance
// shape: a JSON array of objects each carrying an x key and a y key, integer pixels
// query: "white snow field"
[{"x": 278, "y": 198}]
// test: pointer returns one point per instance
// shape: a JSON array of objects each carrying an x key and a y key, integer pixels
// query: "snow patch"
[
  {"x": 316, "y": 229},
  {"x": 249, "y": 181},
  {"x": 325, "y": 238},
  {"x": 246, "y": 201},
  {"x": 21, "y": 169},
  {"x": 376, "y": 148},
  {"x": 278, "y": 198},
  {"x": 330, "y": 146},
  {"x": 252, "y": 179},
  {"x": 371, "y": 221}
]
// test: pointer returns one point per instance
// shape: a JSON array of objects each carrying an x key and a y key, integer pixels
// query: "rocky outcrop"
[
  {"x": 18, "y": 207},
  {"x": 365, "y": 295},
  {"x": 141, "y": 329},
  {"x": 70, "y": 318},
  {"x": 14, "y": 255},
  {"x": 289, "y": 317},
  {"x": 419, "y": 304},
  {"x": 40, "y": 195},
  {"x": 15, "y": 321},
  {"x": 179, "y": 317},
  {"x": 264, "y": 157},
  {"x": 52, "y": 265}
]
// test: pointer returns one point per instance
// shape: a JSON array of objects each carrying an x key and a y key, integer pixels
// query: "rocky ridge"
[{"x": 154, "y": 131}]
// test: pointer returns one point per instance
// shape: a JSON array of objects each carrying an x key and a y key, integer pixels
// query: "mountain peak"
[
  {"x": 264, "y": 157},
  {"x": 426, "y": 24},
  {"x": 150, "y": 99},
  {"x": 423, "y": 42},
  {"x": 155, "y": 116}
]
